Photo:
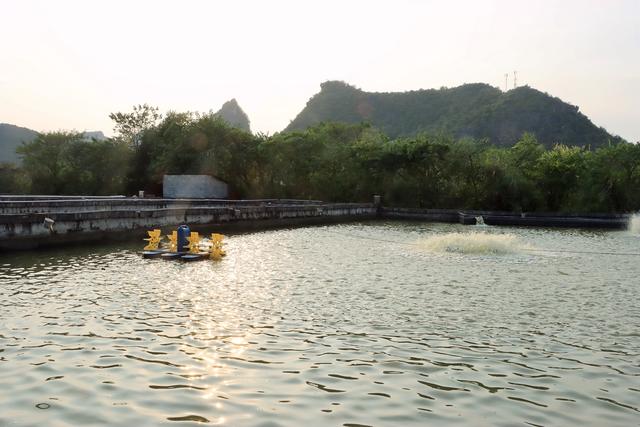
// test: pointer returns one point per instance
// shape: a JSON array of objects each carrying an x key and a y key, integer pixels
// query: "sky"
[{"x": 65, "y": 65}]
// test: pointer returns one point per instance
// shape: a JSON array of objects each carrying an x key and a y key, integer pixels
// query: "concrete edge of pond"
[
  {"x": 34, "y": 230},
  {"x": 471, "y": 217},
  {"x": 30, "y": 224}
]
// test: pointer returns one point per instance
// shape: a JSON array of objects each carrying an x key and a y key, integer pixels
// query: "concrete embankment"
[
  {"x": 609, "y": 221},
  {"x": 39, "y": 222},
  {"x": 28, "y": 222}
]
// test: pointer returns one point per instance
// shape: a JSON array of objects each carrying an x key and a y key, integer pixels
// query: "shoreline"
[{"x": 31, "y": 222}]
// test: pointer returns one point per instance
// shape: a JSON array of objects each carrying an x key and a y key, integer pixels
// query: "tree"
[
  {"x": 65, "y": 163},
  {"x": 413, "y": 170},
  {"x": 465, "y": 171},
  {"x": 612, "y": 179},
  {"x": 560, "y": 172},
  {"x": 525, "y": 154},
  {"x": 44, "y": 160},
  {"x": 96, "y": 167},
  {"x": 131, "y": 126},
  {"x": 192, "y": 143},
  {"x": 523, "y": 173},
  {"x": 12, "y": 179}
]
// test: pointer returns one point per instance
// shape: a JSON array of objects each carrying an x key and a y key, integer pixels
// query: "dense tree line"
[
  {"x": 65, "y": 163},
  {"x": 334, "y": 162}
]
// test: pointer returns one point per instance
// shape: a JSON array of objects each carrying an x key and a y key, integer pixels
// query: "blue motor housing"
[{"x": 183, "y": 232}]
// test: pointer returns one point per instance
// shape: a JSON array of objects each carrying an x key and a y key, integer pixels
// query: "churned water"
[
  {"x": 476, "y": 243},
  {"x": 381, "y": 324}
]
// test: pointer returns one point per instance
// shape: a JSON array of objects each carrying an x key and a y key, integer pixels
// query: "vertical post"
[{"x": 377, "y": 203}]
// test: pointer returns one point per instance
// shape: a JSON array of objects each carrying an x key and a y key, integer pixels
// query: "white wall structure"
[{"x": 193, "y": 187}]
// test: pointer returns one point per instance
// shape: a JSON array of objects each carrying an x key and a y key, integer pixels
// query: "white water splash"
[
  {"x": 480, "y": 221},
  {"x": 475, "y": 243},
  {"x": 634, "y": 224}
]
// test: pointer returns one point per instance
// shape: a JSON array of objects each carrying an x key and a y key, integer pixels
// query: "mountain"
[
  {"x": 10, "y": 138},
  {"x": 233, "y": 114},
  {"x": 477, "y": 110}
]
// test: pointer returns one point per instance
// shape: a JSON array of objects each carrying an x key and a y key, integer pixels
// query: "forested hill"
[
  {"x": 476, "y": 110},
  {"x": 10, "y": 138}
]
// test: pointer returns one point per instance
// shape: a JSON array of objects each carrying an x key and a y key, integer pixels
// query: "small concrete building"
[{"x": 193, "y": 187}]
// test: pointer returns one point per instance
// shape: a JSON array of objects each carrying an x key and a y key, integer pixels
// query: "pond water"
[{"x": 380, "y": 324}]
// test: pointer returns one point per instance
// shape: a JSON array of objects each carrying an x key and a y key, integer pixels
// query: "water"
[{"x": 361, "y": 324}]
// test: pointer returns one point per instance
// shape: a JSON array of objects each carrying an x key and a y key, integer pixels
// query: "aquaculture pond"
[{"x": 378, "y": 323}]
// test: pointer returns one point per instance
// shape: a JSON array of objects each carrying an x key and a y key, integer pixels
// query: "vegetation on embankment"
[{"x": 336, "y": 163}]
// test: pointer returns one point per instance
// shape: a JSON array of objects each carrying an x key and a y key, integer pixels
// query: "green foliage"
[
  {"x": 414, "y": 169},
  {"x": 612, "y": 179},
  {"x": 44, "y": 161},
  {"x": 13, "y": 179},
  {"x": 340, "y": 162},
  {"x": 560, "y": 170},
  {"x": 521, "y": 163},
  {"x": 323, "y": 162},
  {"x": 129, "y": 127},
  {"x": 65, "y": 163},
  {"x": 186, "y": 143}
]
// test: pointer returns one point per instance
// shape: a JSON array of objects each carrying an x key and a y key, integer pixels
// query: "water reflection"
[{"x": 325, "y": 326}]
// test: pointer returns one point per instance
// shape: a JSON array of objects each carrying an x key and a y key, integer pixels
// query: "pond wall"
[
  {"x": 471, "y": 217},
  {"x": 28, "y": 222}
]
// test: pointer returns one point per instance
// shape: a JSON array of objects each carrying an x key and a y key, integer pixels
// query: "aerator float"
[{"x": 183, "y": 244}]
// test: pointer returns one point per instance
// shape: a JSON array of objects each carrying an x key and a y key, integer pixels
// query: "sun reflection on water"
[{"x": 300, "y": 325}]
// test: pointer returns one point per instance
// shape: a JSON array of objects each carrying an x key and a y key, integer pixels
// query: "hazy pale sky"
[{"x": 67, "y": 64}]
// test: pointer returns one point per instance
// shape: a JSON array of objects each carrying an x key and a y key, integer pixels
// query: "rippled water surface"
[{"x": 360, "y": 324}]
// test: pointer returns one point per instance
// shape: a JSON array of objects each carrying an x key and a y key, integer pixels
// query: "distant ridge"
[
  {"x": 476, "y": 110},
  {"x": 11, "y": 137},
  {"x": 234, "y": 115}
]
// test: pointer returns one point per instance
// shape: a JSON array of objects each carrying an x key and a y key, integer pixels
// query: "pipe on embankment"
[{"x": 41, "y": 223}]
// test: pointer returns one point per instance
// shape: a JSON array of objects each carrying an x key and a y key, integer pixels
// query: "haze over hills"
[
  {"x": 477, "y": 110},
  {"x": 234, "y": 115}
]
